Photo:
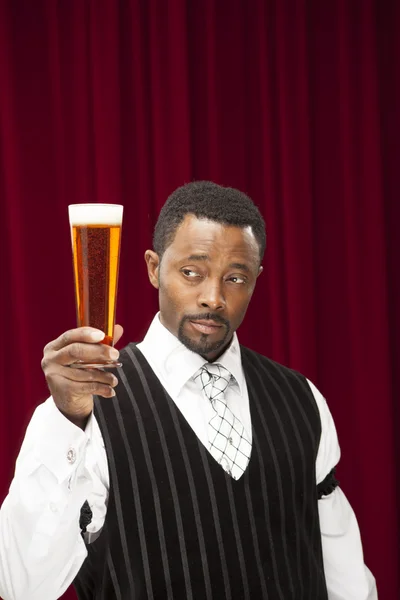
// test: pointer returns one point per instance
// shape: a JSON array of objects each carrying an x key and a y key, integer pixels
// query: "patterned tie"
[{"x": 227, "y": 439}]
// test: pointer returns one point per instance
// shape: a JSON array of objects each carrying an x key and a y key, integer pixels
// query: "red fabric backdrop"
[{"x": 293, "y": 102}]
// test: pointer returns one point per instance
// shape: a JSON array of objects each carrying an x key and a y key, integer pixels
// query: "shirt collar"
[{"x": 177, "y": 364}]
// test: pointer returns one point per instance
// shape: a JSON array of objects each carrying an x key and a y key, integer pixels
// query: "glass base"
[{"x": 108, "y": 365}]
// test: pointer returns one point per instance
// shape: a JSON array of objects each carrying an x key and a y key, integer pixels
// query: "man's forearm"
[
  {"x": 347, "y": 576},
  {"x": 41, "y": 548}
]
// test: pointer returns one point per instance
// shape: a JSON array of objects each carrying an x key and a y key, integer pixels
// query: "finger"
[
  {"x": 89, "y": 375},
  {"x": 118, "y": 333},
  {"x": 86, "y": 353},
  {"x": 78, "y": 389},
  {"x": 89, "y": 335}
]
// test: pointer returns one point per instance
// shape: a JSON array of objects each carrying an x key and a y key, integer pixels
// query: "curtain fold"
[{"x": 296, "y": 103}]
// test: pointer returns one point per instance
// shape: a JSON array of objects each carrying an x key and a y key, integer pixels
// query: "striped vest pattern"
[{"x": 177, "y": 526}]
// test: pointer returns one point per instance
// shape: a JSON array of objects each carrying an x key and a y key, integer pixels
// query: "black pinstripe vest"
[{"x": 177, "y": 526}]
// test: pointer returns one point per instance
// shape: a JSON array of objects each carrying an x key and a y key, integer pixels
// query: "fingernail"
[
  {"x": 112, "y": 392},
  {"x": 114, "y": 354},
  {"x": 114, "y": 380},
  {"x": 97, "y": 336}
]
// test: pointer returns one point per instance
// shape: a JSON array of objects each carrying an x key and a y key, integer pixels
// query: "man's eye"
[
  {"x": 237, "y": 279},
  {"x": 189, "y": 273}
]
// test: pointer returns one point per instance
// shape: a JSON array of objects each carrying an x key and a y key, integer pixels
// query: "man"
[{"x": 204, "y": 470}]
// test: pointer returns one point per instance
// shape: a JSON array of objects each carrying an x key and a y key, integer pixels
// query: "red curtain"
[{"x": 292, "y": 101}]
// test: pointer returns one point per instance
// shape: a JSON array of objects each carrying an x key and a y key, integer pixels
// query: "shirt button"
[
  {"x": 71, "y": 456},
  {"x": 53, "y": 507}
]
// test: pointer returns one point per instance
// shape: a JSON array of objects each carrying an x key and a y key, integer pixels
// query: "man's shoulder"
[
  {"x": 130, "y": 345},
  {"x": 131, "y": 357},
  {"x": 250, "y": 356}
]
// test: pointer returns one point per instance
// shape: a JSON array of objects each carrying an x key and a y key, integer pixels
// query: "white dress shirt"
[{"x": 60, "y": 466}]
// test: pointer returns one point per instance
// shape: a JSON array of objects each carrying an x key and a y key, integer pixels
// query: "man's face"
[{"x": 205, "y": 281}]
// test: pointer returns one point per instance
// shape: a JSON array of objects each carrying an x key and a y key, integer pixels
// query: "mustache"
[{"x": 208, "y": 317}]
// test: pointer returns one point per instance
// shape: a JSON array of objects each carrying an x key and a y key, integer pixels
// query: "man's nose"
[{"x": 211, "y": 296}]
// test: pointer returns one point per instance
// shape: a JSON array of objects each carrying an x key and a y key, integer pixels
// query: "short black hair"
[{"x": 207, "y": 200}]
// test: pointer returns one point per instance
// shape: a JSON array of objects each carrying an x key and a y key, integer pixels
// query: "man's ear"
[
  {"x": 153, "y": 267},
  {"x": 260, "y": 270}
]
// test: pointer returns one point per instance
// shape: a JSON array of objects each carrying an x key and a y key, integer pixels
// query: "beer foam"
[{"x": 95, "y": 214}]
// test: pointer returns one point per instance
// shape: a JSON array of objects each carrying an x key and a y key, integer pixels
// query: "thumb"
[{"x": 118, "y": 332}]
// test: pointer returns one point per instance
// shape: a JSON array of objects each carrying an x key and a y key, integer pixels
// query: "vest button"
[{"x": 224, "y": 462}]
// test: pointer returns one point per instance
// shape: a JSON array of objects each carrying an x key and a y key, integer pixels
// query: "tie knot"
[{"x": 213, "y": 378}]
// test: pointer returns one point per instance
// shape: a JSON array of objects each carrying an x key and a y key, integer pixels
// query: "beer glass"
[{"x": 96, "y": 240}]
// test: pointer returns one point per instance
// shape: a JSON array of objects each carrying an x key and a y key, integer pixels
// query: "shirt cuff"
[{"x": 60, "y": 445}]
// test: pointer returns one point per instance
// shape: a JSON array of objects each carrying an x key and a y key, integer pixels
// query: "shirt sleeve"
[
  {"x": 347, "y": 577},
  {"x": 41, "y": 547}
]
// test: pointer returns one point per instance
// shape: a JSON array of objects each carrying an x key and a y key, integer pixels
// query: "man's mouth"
[{"x": 206, "y": 326}]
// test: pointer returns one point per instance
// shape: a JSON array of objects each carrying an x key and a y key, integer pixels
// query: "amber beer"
[{"x": 96, "y": 240}]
